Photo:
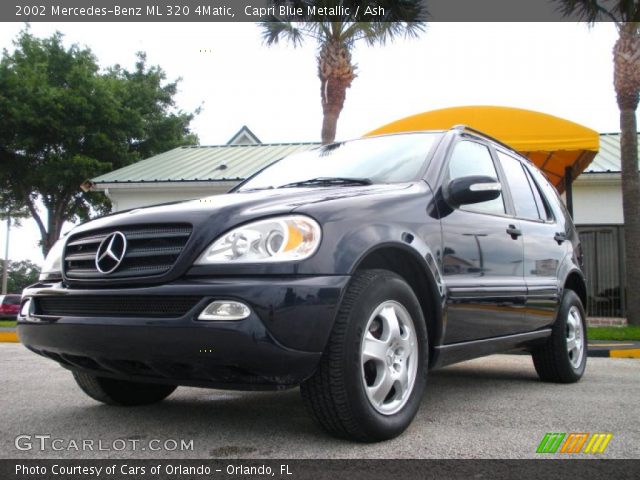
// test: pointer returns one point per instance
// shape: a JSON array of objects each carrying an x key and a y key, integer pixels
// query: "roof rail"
[{"x": 463, "y": 128}]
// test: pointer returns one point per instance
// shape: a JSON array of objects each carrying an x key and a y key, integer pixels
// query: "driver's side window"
[{"x": 472, "y": 158}]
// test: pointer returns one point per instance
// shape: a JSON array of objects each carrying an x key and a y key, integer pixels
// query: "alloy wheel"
[
  {"x": 575, "y": 337},
  {"x": 389, "y": 357}
]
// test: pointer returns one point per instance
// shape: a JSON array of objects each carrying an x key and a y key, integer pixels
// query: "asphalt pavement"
[{"x": 493, "y": 407}]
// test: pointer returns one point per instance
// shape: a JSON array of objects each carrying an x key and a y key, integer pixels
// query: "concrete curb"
[
  {"x": 614, "y": 353},
  {"x": 8, "y": 337},
  {"x": 614, "y": 349}
]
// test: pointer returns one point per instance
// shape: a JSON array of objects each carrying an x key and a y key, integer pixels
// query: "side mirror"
[{"x": 472, "y": 189}]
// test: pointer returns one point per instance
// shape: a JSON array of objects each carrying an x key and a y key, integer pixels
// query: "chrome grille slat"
[
  {"x": 136, "y": 236},
  {"x": 80, "y": 257},
  {"x": 87, "y": 241},
  {"x": 151, "y": 250}
]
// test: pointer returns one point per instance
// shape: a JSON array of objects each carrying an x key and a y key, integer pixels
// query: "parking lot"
[{"x": 493, "y": 407}]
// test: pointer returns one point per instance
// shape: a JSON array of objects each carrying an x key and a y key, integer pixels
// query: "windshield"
[{"x": 387, "y": 159}]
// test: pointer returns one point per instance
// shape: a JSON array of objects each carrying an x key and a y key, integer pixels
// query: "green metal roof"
[
  {"x": 608, "y": 158},
  {"x": 203, "y": 163}
]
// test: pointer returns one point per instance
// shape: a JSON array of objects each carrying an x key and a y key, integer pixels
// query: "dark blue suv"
[{"x": 351, "y": 270}]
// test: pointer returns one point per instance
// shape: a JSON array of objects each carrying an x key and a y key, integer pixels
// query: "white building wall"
[
  {"x": 144, "y": 196},
  {"x": 597, "y": 200}
]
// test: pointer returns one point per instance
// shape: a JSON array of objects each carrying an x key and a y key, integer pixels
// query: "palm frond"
[
  {"x": 628, "y": 11},
  {"x": 401, "y": 18},
  {"x": 591, "y": 11},
  {"x": 275, "y": 29},
  {"x": 404, "y": 10}
]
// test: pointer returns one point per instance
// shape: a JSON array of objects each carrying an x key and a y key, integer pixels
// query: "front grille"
[
  {"x": 115, "y": 306},
  {"x": 150, "y": 250}
]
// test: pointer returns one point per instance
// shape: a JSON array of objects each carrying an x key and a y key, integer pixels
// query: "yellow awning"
[{"x": 550, "y": 142}]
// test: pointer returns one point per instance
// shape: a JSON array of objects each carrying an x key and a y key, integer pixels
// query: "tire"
[
  {"x": 563, "y": 358},
  {"x": 121, "y": 392},
  {"x": 355, "y": 392}
]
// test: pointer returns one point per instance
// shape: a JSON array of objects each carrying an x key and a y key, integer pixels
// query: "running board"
[{"x": 459, "y": 352}]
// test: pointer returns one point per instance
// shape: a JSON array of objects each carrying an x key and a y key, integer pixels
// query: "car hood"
[{"x": 221, "y": 212}]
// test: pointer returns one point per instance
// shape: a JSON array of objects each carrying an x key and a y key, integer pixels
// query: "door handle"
[
  {"x": 514, "y": 232},
  {"x": 560, "y": 237}
]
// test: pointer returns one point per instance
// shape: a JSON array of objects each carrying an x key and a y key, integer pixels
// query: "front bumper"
[{"x": 278, "y": 345}]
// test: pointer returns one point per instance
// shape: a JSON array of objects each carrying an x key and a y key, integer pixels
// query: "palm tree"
[
  {"x": 626, "y": 80},
  {"x": 336, "y": 35}
]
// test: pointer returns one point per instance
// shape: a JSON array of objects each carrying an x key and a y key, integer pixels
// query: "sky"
[{"x": 563, "y": 69}]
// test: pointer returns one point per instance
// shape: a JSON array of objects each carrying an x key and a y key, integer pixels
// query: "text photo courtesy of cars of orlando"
[{"x": 454, "y": 211}]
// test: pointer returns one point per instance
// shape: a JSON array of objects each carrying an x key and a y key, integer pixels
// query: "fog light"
[{"x": 225, "y": 310}]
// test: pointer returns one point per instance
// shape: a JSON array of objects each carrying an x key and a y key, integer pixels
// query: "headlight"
[
  {"x": 279, "y": 239},
  {"x": 52, "y": 266}
]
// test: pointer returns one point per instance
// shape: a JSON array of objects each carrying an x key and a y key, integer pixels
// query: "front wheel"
[
  {"x": 372, "y": 375},
  {"x": 563, "y": 358},
  {"x": 121, "y": 392}
]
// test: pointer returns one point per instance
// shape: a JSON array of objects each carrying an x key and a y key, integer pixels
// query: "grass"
[
  {"x": 7, "y": 323},
  {"x": 630, "y": 332}
]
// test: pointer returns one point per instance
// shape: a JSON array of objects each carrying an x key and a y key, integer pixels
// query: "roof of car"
[{"x": 10, "y": 295}]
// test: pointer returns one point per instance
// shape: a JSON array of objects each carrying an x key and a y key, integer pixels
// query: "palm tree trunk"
[
  {"x": 631, "y": 210},
  {"x": 333, "y": 92},
  {"x": 336, "y": 72},
  {"x": 626, "y": 79}
]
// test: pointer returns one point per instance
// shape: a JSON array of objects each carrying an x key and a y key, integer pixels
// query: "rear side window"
[
  {"x": 523, "y": 197},
  {"x": 11, "y": 300},
  {"x": 543, "y": 207},
  {"x": 546, "y": 213},
  {"x": 472, "y": 158}
]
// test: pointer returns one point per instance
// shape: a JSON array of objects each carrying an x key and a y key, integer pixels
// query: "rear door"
[
  {"x": 544, "y": 244},
  {"x": 482, "y": 256}
]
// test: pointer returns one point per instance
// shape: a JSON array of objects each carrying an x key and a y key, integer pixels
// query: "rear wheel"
[
  {"x": 563, "y": 358},
  {"x": 372, "y": 375},
  {"x": 121, "y": 392}
]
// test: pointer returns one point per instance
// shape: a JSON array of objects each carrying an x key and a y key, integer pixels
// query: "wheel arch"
[
  {"x": 575, "y": 281},
  {"x": 415, "y": 270}
]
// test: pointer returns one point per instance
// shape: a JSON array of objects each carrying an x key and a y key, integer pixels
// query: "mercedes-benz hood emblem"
[{"x": 111, "y": 252}]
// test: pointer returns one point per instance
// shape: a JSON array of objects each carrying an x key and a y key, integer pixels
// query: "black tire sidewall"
[
  {"x": 569, "y": 299},
  {"x": 386, "y": 286}
]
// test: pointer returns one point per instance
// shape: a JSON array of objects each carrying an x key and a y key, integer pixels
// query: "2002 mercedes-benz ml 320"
[{"x": 351, "y": 270}]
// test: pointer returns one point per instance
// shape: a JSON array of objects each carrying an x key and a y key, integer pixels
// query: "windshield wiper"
[
  {"x": 253, "y": 189},
  {"x": 328, "y": 182}
]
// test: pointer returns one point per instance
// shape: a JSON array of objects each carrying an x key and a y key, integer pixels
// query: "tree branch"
[{"x": 37, "y": 218}]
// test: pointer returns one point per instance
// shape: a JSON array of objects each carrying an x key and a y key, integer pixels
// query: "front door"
[{"x": 482, "y": 258}]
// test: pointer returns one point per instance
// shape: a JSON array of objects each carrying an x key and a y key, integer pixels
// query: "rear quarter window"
[
  {"x": 521, "y": 190},
  {"x": 549, "y": 194},
  {"x": 11, "y": 300}
]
